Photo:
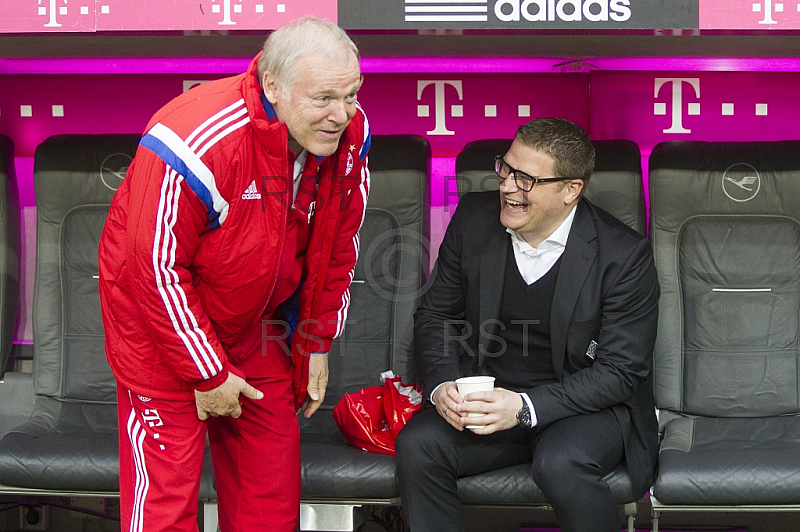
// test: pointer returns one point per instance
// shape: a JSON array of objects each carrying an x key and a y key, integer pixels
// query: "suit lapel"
[
  {"x": 578, "y": 257},
  {"x": 494, "y": 256}
]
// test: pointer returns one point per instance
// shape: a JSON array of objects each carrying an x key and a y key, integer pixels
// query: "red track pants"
[{"x": 256, "y": 459}]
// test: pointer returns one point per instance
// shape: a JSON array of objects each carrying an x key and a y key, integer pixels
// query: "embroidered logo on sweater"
[{"x": 251, "y": 192}]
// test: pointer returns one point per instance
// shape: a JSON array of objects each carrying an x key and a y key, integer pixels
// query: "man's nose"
[
  {"x": 339, "y": 112},
  {"x": 509, "y": 183}
]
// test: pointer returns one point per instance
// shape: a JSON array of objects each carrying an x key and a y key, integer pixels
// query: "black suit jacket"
[{"x": 607, "y": 291}]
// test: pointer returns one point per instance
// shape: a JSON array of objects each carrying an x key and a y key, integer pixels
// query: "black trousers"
[{"x": 568, "y": 461}]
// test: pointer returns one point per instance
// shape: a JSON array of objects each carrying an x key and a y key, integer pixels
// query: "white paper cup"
[{"x": 468, "y": 385}]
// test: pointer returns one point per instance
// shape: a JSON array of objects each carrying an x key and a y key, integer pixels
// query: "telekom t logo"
[
  {"x": 152, "y": 417},
  {"x": 440, "y": 108},
  {"x": 767, "y": 9},
  {"x": 226, "y": 11},
  {"x": 692, "y": 108},
  {"x": 62, "y": 10}
]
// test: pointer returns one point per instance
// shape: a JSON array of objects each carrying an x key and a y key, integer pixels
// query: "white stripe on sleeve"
[{"x": 192, "y": 161}]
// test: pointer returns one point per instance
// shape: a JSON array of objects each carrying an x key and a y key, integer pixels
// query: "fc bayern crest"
[{"x": 349, "y": 164}]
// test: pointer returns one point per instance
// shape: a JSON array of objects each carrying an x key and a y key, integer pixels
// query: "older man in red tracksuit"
[{"x": 225, "y": 267}]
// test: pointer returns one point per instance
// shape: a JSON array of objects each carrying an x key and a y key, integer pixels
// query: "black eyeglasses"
[{"x": 524, "y": 181}]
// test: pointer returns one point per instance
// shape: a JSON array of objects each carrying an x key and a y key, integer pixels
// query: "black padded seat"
[
  {"x": 513, "y": 486},
  {"x": 16, "y": 400},
  {"x": 65, "y": 447},
  {"x": 333, "y": 470},
  {"x": 725, "y": 226},
  {"x": 391, "y": 271},
  {"x": 616, "y": 184},
  {"x": 70, "y": 442},
  {"x": 734, "y": 461}
]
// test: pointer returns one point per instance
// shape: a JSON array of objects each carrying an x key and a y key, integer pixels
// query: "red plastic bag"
[{"x": 371, "y": 419}]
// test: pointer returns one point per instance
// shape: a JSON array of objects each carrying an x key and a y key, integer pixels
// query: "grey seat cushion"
[
  {"x": 65, "y": 447},
  {"x": 514, "y": 486},
  {"x": 333, "y": 470},
  {"x": 70, "y": 442},
  {"x": 731, "y": 461}
]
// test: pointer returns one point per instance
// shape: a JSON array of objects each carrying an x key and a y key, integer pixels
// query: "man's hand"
[
  {"x": 224, "y": 399},
  {"x": 500, "y": 406},
  {"x": 317, "y": 383},
  {"x": 447, "y": 399}
]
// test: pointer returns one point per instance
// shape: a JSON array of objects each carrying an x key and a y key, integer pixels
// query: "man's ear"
[
  {"x": 271, "y": 89},
  {"x": 573, "y": 190}
]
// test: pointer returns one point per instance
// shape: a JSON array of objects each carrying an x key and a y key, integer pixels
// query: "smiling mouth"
[{"x": 516, "y": 205}]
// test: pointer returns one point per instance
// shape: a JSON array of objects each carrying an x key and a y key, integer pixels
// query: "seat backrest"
[
  {"x": 725, "y": 228},
  {"x": 391, "y": 269},
  {"x": 616, "y": 184},
  {"x": 9, "y": 249},
  {"x": 75, "y": 177}
]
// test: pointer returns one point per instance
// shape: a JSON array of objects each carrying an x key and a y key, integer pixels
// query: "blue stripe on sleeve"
[
  {"x": 365, "y": 146},
  {"x": 197, "y": 186}
]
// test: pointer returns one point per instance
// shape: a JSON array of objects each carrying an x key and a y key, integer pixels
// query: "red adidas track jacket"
[{"x": 189, "y": 253}]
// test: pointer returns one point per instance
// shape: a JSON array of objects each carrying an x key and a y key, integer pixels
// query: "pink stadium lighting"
[{"x": 394, "y": 65}]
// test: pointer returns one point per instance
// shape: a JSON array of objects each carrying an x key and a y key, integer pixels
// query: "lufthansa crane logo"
[
  {"x": 741, "y": 182},
  {"x": 113, "y": 169}
]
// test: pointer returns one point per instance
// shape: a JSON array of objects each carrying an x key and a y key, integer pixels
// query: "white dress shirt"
[
  {"x": 299, "y": 164},
  {"x": 534, "y": 262}
]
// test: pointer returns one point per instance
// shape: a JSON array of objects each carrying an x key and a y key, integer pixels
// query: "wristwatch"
[{"x": 524, "y": 415}]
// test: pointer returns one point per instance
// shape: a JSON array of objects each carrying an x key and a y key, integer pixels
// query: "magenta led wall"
[
  {"x": 403, "y": 65},
  {"x": 450, "y": 101},
  {"x": 59, "y": 16}
]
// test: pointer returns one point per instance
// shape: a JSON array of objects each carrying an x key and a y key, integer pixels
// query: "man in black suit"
[{"x": 558, "y": 300}]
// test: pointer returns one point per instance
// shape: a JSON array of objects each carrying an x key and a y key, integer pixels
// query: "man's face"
[
  {"x": 319, "y": 104},
  {"x": 539, "y": 212}
]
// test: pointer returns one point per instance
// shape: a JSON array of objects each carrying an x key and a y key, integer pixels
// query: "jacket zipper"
[{"x": 285, "y": 142}]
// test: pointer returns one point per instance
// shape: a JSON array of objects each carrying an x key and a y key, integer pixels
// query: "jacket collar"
[
  {"x": 578, "y": 257},
  {"x": 492, "y": 268}
]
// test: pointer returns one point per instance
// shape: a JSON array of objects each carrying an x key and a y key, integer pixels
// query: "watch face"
[{"x": 524, "y": 416}]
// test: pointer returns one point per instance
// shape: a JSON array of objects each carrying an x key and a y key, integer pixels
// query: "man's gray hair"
[{"x": 305, "y": 36}]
